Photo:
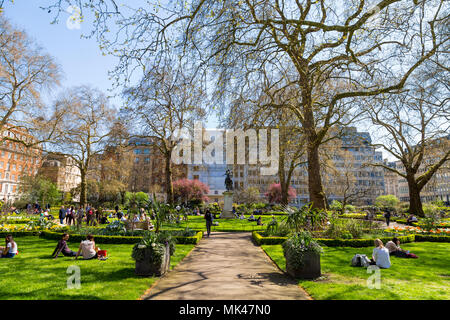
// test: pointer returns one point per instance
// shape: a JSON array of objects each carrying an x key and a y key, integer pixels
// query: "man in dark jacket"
[
  {"x": 209, "y": 219},
  {"x": 62, "y": 214}
]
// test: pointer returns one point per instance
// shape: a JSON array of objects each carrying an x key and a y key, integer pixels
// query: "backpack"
[{"x": 360, "y": 260}]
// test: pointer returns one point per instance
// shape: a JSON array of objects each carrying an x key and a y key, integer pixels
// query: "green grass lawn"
[
  {"x": 198, "y": 223},
  {"x": 33, "y": 274},
  {"x": 426, "y": 278}
]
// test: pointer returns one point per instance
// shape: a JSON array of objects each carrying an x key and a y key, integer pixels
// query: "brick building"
[{"x": 16, "y": 160}]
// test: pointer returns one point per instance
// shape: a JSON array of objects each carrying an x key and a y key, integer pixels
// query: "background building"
[
  {"x": 147, "y": 171},
  {"x": 357, "y": 144},
  {"x": 438, "y": 188},
  {"x": 16, "y": 160},
  {"x": 391, "y": 179},
  {"x": 62, "y": 171}
]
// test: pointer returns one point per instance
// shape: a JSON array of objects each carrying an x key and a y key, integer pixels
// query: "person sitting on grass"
[
  {"x": 394, "y": 249},
  {"x": 87, "y": 249},
  {"x": 104, "y": 220},
  {"x": 259, "y": 221},
  {"x": 62, "y": 247},
  {"x": 411, "y": 219},
  {"x": 242, "y": 217},
  {"x": 10, "y": 250},
  {"x": 252, "y": 217},
  {"x": 380, "y": 255},
  {"x": 234, "y": 212}
]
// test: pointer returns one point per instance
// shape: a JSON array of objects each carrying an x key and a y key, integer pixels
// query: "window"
[
  {"x": 137, "y": 151},
  {"x": 146, "y": 151}
]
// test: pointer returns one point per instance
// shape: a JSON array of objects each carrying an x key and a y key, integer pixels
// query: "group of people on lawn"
[
  {"x": 87, "y": 248},
  {"x": 381, "y": 254},
  {"x": 91, "y": 215}
]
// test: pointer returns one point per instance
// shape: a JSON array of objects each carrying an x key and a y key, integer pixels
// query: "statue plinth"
[{"x": 227, "y": 211}]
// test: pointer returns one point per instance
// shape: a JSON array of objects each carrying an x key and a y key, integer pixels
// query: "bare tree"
[
  {"x": 341, "y": 176},
  {"x": 413, "y": 127},
  {"x": 25, "y": 72},
  {"x": 84, "y": 129},
  {"x": 324, "y": 43},
  {"x": 165, "y": 101}
]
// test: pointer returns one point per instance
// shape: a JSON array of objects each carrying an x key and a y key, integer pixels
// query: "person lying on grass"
[
  {"x": 380, "y": 255},
  {"x": 394, "y": 249},
  {"x": 62, "y": 247},
  {"x": 10, "y": 250},
  {"x": 88, "y": 249}
]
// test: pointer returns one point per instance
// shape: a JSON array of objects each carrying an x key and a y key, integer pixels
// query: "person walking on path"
[
  {"x": 387, "y": 216},
  {"x": 62, "y": 214},
  {"x": 209, "y": 220}
]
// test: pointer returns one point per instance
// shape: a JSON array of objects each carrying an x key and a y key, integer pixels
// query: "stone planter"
[
  {"x": 310, "y": 268},
  {"x": 148, "y": 268}
]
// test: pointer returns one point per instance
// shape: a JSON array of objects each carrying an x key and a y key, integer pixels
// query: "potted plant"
[
  {"x": 302, "y": 255},
  {"x": 152, "y": 254}
]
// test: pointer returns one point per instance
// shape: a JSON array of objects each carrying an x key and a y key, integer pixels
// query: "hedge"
[
  {"x": 190, "y": 240},
  {"x": 116, "y": 239},
  {"x": 424, "y": 237},
  {"x": 260, "y": 240},
  {"x": 19, "y": 233},
  {"x": 357, "y": 243}
]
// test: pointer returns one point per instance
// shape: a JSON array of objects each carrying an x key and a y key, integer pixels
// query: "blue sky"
[{"x": 80, "y": 59}]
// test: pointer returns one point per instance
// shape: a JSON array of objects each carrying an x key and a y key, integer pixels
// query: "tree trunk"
[
  {"x": 169, "y": 184},
  {"x": 415, "y": 203},
  {"x": 315, "y": 188},
  {"x": 83, "y": 189},
  {"x": 284, "y": 184},
  {"x": 316, "y": 194}
]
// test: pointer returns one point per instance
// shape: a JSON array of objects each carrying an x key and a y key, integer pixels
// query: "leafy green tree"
[
  {"x": 39, "y": 189},
  {"x": 387, "y": 202}
]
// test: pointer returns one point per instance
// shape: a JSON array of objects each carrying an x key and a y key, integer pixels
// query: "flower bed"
[
  {"x": 20, "y": 228},
  {"x": 419, "y": 230},
  {"x": 378, "y": 217},
  {"x": 260, "y": 240}
]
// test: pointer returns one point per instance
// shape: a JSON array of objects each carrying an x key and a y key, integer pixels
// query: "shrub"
[
  {"x": 350, "y": 208},
  {"x": 297, "y": 245},
  {"x": 336, "y": 205},
  {"x": 342, "y": 228},
  {"x": 156, "y": 243},
  {"x": 387, "y": 202}
]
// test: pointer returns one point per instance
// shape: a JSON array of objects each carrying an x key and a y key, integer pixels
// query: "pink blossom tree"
[
  {"x": 186, "y": 190},
  {"x": 274, "y": 193}
]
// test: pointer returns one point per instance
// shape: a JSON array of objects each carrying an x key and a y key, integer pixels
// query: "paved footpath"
[{"x": 226, "y": 266}]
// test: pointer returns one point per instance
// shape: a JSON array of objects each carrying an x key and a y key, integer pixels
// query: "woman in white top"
[
  {"x": 87, "y": 248},
  {"x": 380, "y": 255},
  {"x": 10, "y": 250}
]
